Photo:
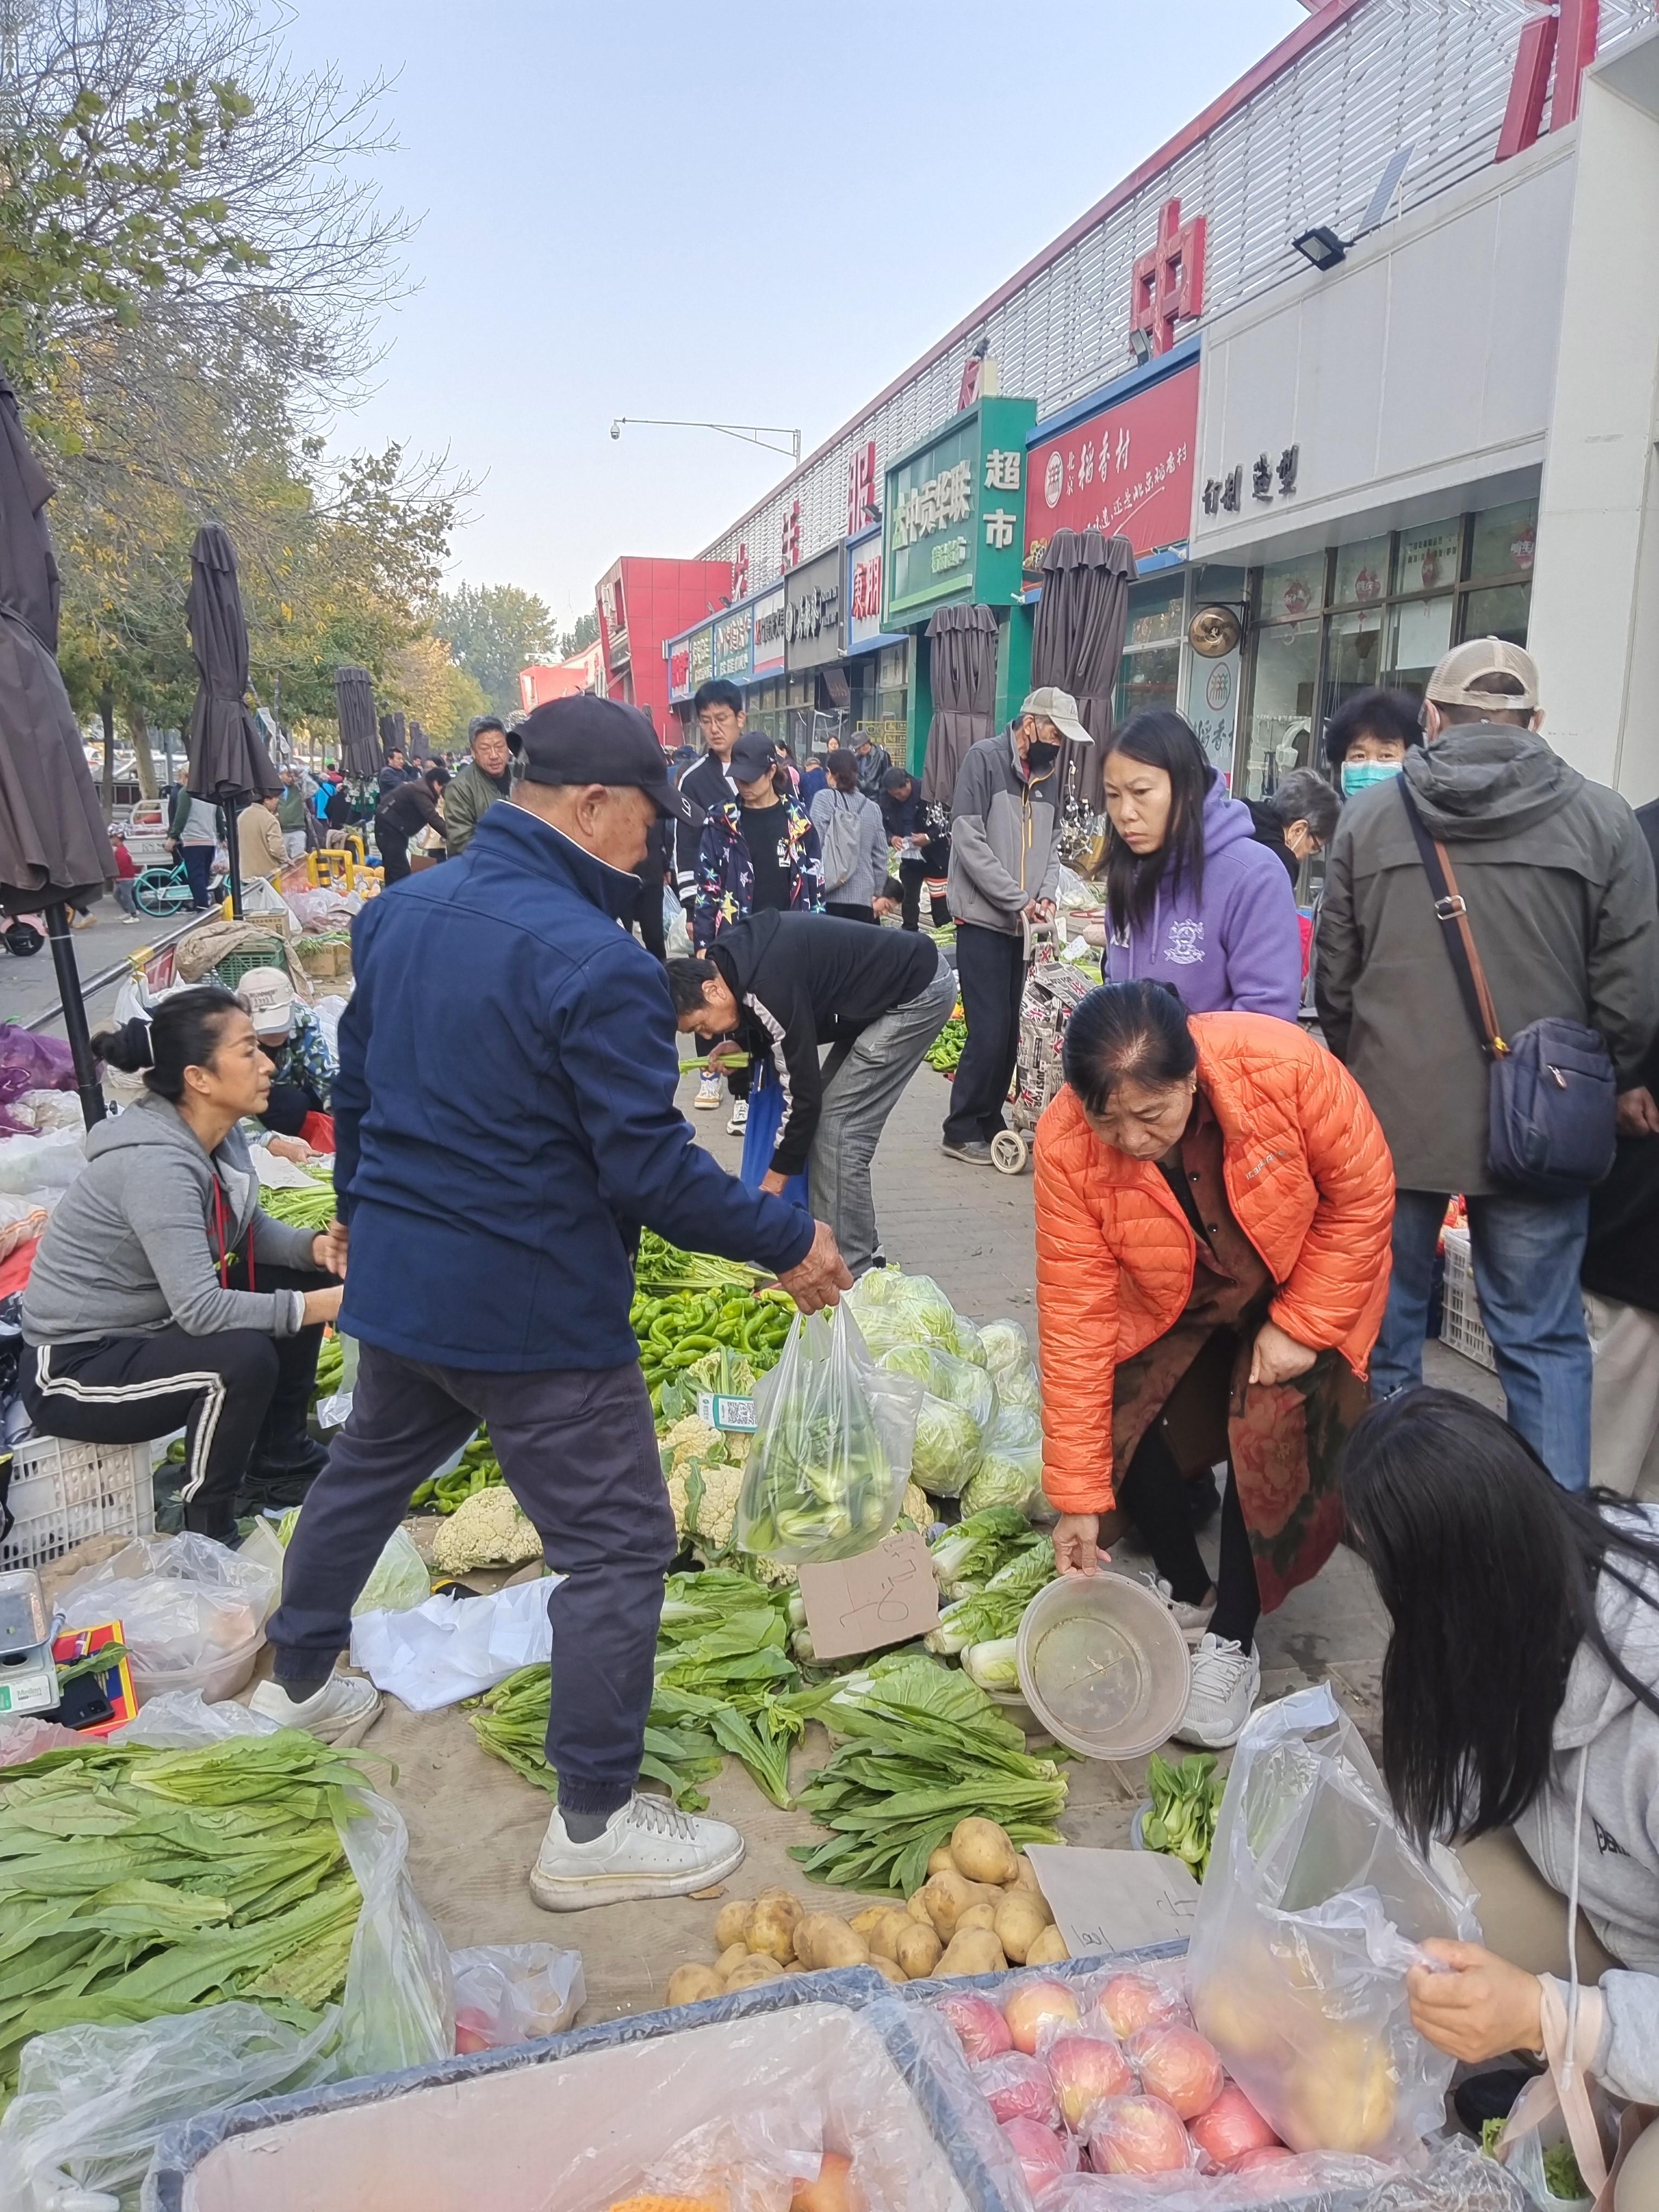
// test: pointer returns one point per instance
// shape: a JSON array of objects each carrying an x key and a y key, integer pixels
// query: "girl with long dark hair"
[
  {"x": 1191, "y": 899},
  {"x": 161, "y": 1297},
  {"x": 1213, "y": 1204},
  {"x": 1520, "y": 1724}
]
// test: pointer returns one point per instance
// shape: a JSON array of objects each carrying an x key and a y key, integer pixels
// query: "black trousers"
[
  {"x": 912, "y": 875},
  {"x": 579, "y": 1452},
  {"x": 990, "y": 976},
  {"x": 849, "y": 912},
  {"x": 394, "y": 851},
  {"x": 242, "y": 1399},
  {"x": 1154, "y": 1492}
]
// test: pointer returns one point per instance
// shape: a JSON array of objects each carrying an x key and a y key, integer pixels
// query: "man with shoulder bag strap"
[{"x": 1487, "y": 966}]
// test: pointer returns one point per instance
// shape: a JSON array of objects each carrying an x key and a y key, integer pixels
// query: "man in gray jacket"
[
  {"x": 1005, "y": 870},
  {"x": 1559, "y": 893}
]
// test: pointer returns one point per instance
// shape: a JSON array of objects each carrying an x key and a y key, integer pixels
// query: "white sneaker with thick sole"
[
  {"x": 739, "y": 1121},
  {"x": 1225, "y": 1681},
  {"x": 647, "y": 1849},
  {"x": 1191, "y": 1619},
  {"x": 343, "y": 1712},
  {"x": 708, "y": 1090}
]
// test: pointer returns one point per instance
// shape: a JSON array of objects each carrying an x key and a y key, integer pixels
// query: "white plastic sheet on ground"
[{"x": 453, "y": 1648}]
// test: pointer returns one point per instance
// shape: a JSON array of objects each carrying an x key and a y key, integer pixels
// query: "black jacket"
[
  {"x": 409, "y": 808},
  {"x": 707, "y": 787},
  {"x": 902, "y": 818},
  {"x": 806, "y": 980}
]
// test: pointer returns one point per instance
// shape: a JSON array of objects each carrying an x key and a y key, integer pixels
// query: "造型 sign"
[{"x": 1126, "y": 471}]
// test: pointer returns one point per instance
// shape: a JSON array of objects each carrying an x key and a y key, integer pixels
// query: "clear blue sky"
[{"x": 754, "y": 213}]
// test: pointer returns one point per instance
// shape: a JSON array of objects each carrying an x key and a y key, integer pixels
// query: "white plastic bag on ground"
[
  {"x": 184, "y": 1720},
  {"x": 92, "y": 2102},
  {"x": 400, "y": 1580},
  {"x": 398, "y": 2009},
  {"x": 184, "y": 1602},
  {"x": 453, "y": 1648},
  {"x": 514, "y": 1993},
  {"x": 1311, "y": 1916}
]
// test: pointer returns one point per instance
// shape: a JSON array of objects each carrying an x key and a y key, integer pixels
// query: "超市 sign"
[{"x": 954, "y": 520}]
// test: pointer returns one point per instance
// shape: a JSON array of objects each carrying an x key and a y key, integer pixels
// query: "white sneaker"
[
  {"x": 708, "y": 1090},
  {"x": 739, "y": 1121},
  {"x": 1191, "y": 1619},
  {"x": 647, "y": 1850},
  {"x": 343, "y": 1712},
  {"x": 1225, "y": 1681}
]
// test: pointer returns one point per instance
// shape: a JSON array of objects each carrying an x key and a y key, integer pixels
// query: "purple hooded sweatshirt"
[{"x": 1236, "y": 949}]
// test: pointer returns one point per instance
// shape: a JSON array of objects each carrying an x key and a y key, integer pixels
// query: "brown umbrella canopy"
[
  {"x": 360, "y": 736},
  {"x": 53, "y": 844},
  {"x": 393, "y": 736},
  {"x": 227, "y": 753},
  {"x": 962, "y": 660},
  {"x": 1077, "y": 642}
]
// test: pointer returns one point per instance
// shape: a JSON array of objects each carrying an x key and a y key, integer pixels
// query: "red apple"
[
  {"x": 1131, "y": 2002},
  {"x": 1017, "y": 2088},
  {"x": 1041, "y": 2153},
  {"x": 1087, "y": 2070},
  {"x": 1231, "y": 2128},
  {"x": 1276, "y": 2154},
  {"x": 1181, "y": 2066},
  {"x": 1038, "y": 2005},
  {"x": 979, "y": 2026},
  {"x": 1139, "y": 2136},
  {"x": 474, "y": 2030}
]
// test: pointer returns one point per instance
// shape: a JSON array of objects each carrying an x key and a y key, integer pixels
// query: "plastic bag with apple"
[{"x": 1310, "y": 1915}]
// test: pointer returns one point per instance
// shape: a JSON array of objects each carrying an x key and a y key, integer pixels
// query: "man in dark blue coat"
[{"x": 505, "y": 1121}]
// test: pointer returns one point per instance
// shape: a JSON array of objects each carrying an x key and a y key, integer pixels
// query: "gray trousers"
[{"x": 862, "y": 1084}]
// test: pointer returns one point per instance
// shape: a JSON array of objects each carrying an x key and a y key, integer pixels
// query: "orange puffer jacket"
[{"x": 1311, "y": 1183}]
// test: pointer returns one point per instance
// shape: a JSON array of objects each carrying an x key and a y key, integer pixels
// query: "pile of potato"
[{"x": 979, "y": 1911}]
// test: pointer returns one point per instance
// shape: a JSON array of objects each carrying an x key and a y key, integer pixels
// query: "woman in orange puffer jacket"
[{"x": 1214, "y": 1200}]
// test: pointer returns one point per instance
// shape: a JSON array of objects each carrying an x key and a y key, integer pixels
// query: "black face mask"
[{"x": 1039, "y": 756}]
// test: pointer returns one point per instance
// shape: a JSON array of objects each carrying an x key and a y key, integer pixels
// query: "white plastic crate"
[
  {"x": 1460, "y": 1312},
  {"x": 62, "y": 1493}
]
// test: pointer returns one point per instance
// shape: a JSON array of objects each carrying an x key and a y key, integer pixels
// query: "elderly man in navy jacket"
[{"x": 495, "y": 1159}]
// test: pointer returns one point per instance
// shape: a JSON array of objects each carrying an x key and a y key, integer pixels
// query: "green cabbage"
[
  {"x": 948, "y": 1449},
  {"x": 1003, "y": 1345},
  {"x": 1015, "y": 1429},
  {"x": 1019, "y": 1386},
  {"x": 1005, "y": 1478},
  {"x": 958, "y": 1382}
]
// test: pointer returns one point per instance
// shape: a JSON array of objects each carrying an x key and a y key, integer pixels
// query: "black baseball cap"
[
  {"x": 752, "y": 758},
  {"x": 587, "y": 740}
]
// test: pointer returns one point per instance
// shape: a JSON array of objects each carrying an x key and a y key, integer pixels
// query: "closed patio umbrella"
[
  {"x": 962, "y": 660},
  {"x": 54, "y": 851},
  {"x": 360, "y": 736},
  {"x": 391, "y": 735},
  {"x": 1077, "y": 642},
  {"x": 228, "y": 759}
]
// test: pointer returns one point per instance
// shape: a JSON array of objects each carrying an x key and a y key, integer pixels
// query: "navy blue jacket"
[{"x": 504, "y": 1115}]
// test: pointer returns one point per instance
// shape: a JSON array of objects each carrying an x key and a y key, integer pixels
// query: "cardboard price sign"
[
  {"x": 1115, "y": 1901},
  {"x": 887, "y": 1595}
]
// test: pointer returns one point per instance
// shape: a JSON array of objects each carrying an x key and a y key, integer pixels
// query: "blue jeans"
[{"x": 1526, "y": 1253}]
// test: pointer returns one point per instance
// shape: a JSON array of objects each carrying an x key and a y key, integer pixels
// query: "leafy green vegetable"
[
  {"x": 311, "y": 1209},
  {"x": 948, "y": 1449},
  {"x": 104, "y": 1660},
  {"x": 818, "y": 1483},
  {"x": 992, "y": 1665},
  {"x": 923, "y": 1748},
  {"x": 1561, "y": 2176},
  {"x": 966, "y": 1557},
  {"x": 993, "y": 1613},
  {"x": 660, "y": 1266},
  {"x": 1186, "y": 1801}
]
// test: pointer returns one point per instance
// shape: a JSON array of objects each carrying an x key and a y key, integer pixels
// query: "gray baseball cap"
[{"x": 1056, "y": 707}]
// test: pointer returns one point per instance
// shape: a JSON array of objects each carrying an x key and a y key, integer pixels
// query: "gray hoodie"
[
  {"x": 131, "y": 1249},
  {"x": 1559, "y": 883},
  {"x": 1606, "y": 1745},
  {"x": 1004, "y": 836}
]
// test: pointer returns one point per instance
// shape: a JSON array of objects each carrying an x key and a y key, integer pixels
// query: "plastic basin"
[{"x": 1103, "y": 1666}]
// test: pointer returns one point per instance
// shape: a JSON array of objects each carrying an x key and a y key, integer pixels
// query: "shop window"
[
  {"x": 1353, "y": 658},
  {"x": 1292, "y": 588},
  {"x": 1362, "y": 574},
  {"x": 1429, "y": 556},
  {"x": 1499, "y": 611},
  {"x": 1282, "y": 708},
  {"x": 893, "y": 667},
  {"x": 1503, "y": 541},
  {"x": 1420, "y": 634},
  {"x": 1155, "y": 613},
  {"x": 1146, "y": 678}
]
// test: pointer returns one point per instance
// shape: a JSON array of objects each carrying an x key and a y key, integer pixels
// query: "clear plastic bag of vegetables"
[
  {"x": 942, "y": 1375},
  {"x": 891, "y": 1308},
  {"x": 834, "y": 1435},
  {"x": 1010, "y": 1470},
  {"x": 956, "y": 1414}
]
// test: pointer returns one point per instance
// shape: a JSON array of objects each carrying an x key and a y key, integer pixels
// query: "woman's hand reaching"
[
  {"x": 1478, "y": 2006},
  {"x": 1077, "y": 1546},
  {"x": 1278, "y": 1357}
]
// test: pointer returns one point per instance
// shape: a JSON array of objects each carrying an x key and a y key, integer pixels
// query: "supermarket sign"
[
  {"x": 1127, "y": 469},
  {"x": 954, "y": 513}
]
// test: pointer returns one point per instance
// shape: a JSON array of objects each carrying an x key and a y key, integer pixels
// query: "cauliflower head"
[
  {"x": 488, "y": 1530},
  {"x": 704, "y": 1472}
]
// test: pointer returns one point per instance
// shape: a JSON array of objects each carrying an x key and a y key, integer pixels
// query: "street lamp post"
[{"x": 751, "y": 434}]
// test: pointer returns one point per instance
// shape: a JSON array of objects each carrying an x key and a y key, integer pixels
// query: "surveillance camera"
[{"x": 616, "y": 429}]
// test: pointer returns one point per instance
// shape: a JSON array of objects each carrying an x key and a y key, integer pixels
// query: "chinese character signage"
[
  {"x": 864, "y": 627},
  {"x": 771, "y": 620},
  {"x": 679, "y": 669},
  {"x": 1127, "y": 471},
  {"x": 703, "y": 657},
  {"x": 813, "y": 621},
  {"x": 954, "y": 515},
  {"x": 732, "y": 639},
  {"x": 862, "y": 486}
]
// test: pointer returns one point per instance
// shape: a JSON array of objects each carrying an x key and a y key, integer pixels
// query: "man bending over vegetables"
[{"x": 492, "y": 1281}]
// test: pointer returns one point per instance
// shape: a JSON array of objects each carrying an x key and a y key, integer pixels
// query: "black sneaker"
[{"x": 976, "y": 1151}]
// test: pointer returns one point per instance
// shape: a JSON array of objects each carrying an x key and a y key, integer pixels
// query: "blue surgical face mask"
[{"x": 1360, "y": 775}]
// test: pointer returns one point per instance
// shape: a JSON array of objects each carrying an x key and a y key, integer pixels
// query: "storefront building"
[
  {"x": 640, "y": 602},
  {"x": 1363, "y": 362}
]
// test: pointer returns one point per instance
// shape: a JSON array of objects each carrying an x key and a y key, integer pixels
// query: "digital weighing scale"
[{"x": 28, "y": 1678}]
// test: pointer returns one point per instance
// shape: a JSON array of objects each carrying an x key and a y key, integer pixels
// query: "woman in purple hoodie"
[{"x": 1191, "y": 899}]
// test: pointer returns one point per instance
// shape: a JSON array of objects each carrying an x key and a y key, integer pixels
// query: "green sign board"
[{"x": 953, "y": 518}]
